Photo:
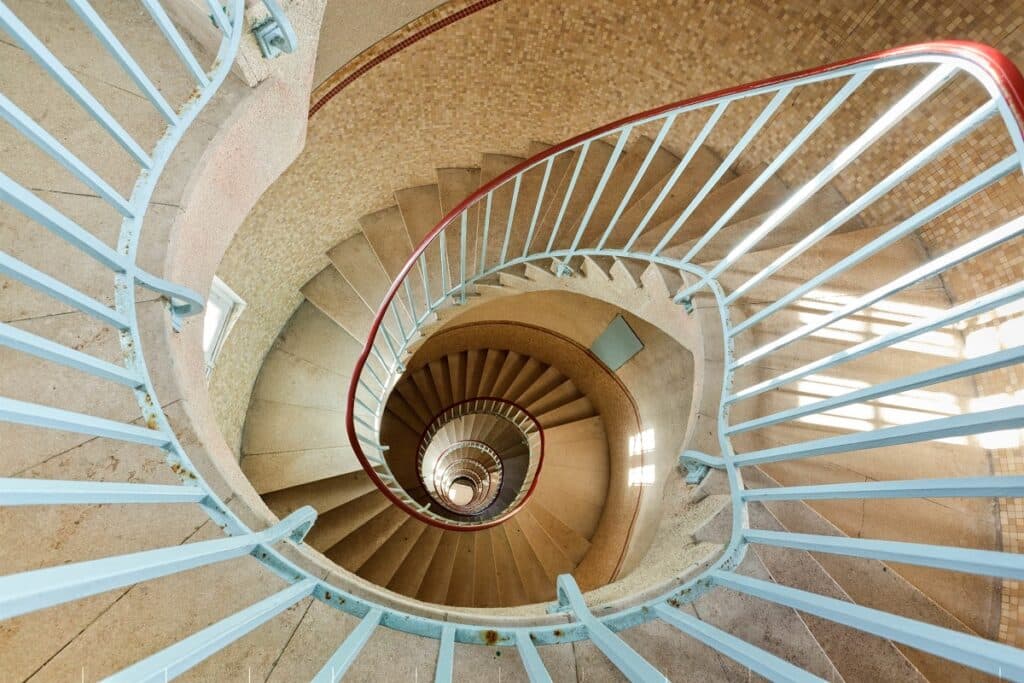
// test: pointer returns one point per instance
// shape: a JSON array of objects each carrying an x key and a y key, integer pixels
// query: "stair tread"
[
  {"x": 569, "y": 541},
  {"x": 537, "y": 583},
  {"x": 332, "y": 294},
  {"x": 485, "y": 582},
  {"x": 700, "y": 168},
  {"x": 511, "y": 591},
  {"x": 335, "y": 525},
  {"x": 312, "y": 336},
  {"x": 408, "y": 578},
  {"x": 461, "y": 587},
  {"x": 434, "y": 587},
  {"x": 385, "y": 231},
  {"x": 421, "y": 212},
  {"x": 551, "y": 557},
  {"x": 453, "y": 186},
  {"x": 323, "y": 495},
  {"x": 353, "y": 551},
  {"x": 273, "y": 427},
  {"x": 381, "y": 567}
]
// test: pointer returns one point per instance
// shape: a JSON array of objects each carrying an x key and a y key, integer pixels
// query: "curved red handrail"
[{"x": 1004, "y": 74}]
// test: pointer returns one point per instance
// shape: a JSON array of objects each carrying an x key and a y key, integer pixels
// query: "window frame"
[{"x": 235, "y": 305}]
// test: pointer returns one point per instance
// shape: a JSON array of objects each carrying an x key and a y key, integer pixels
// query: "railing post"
[{"x": 625, "y": 658}]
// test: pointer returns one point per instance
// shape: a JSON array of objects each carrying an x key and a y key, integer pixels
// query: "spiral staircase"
[{"x": 790, "y": 477}]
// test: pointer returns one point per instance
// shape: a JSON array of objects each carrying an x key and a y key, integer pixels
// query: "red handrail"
[{"x": 1004, "y": 74}]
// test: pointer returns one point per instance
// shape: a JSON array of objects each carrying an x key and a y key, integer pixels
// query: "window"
[{"x": 223, "y": 308}]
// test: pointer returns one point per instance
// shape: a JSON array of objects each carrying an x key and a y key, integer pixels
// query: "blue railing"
[
  {"x": 457, "y": 268},
  {"x": 478, "y": 240}
]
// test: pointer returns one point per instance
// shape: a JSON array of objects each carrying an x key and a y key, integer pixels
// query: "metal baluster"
[
  {"x": 966, "y": 310},
  {"x": 750, "y": 656},
  {"x": 100, "y": 29},
  {"x": 726, "y": 164},
  {"x": 598, "y": 191},
  {"x": 670, "y": 184},
  {"x": 914, "y": 164},
  {"x": 967, "y": 560},
  {"x": 962, "y": 487},
  {"x": 511, "y": 218},
  {"x": 33, "y": 590},
  {"x": 540, "y": 201},
  {"x": 343, "y": 658},
  {"x": 35, "y": 133},
  {"x": 985, "y": 655},
  {"x": 936, "y": 208},
  {"x": 445, "y": 655},
  {"x": 27, "y": 41},
  {"x": 625, "y": 658},
  {"x": 166, "y": 26},
  {"x": 568, "y": 192},
  {"x": 852, "y": 152},
  {"x": 651, "y": 153},
  {"x": 938, "y": 265},
  {"x": 182, "y": 656},
  {"x": 17, "y": 491}
]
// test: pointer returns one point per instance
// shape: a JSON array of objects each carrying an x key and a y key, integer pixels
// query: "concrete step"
[
  {"x": 579, "y": 409},
  {"x": 316, "y": 339},
  {"x": 485, "y": 575},
  {"x": 556, "y": 397},
  {"x": 386, "y": 232},
  {"x": 453, "y": 186},
  {"x": 353, "y": 551},
  {"x": 493, "y": 360},
  {"x": 570, "y": 542},
  {"x": 537, "y": 584},
  {"x": 329, "y": 291},
  {"x": 382, "y": 566},
  {"x": 857, "y": 656},
  {"x": 273, "y": 427},
  {"x": 718, "y": 200},
  {"x": 421, "y": 211},
  {"x": 442, "y": 384},
  {"x": 434, "y": 586},
  {"x": 277, "y": 470},
  {"x": 332, "y": 527},
  {"x": 462, "y": 585},
  {"x": 622, "y": 178},
  {"x": 511, "y": 591},
  {"x": 357, "y": 262},
  {"x": 547, "y": 381},
  {"x": 877, "y": 585},
  {"x": 287, "y": 378},
  {"x": 597, "y": 156},
  {"x": 552, "y": 557},
  {"x": 324, "y": 495},
  {"x": 700, "y": 168},
  {"x": 457, "y": 376},
  {"x": 409, "y": 576},
  {"x": 777, "y": 629}
]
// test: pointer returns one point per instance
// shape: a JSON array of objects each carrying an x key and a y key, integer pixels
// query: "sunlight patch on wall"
[
  {"x": 881, "y": 318},
  {"x": 640, "y": 444}
]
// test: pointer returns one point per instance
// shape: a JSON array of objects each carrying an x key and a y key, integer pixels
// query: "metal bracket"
[
  {"x": 275, "y": 35},
  {"x": 563, "y": 269},
  {"x": 697, "y": 465}
]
